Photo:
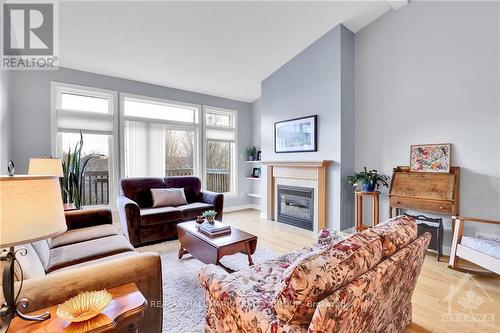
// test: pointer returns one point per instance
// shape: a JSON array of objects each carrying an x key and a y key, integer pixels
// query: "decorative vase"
[
  {"x": 211, "y": 219},
  {"x": 369, "y": 187},
  {"x": 199, "y": 220}
]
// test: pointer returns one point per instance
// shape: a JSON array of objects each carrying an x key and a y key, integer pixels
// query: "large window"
[
  {"x": 84, "y": 124},
  {"x": 160, "y": 137},
  {"x": 220, "y": 150}
]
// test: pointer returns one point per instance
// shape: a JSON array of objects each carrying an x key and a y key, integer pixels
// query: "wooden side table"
[
  {"x": 359, "y": 208},
  {"x": 125, "y": 309}
]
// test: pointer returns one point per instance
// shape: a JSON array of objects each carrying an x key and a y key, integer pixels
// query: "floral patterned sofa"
[{"x": 362, "y": 283}]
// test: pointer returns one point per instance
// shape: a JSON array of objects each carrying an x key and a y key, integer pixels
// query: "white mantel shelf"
[{"x": 299, "y": 164}]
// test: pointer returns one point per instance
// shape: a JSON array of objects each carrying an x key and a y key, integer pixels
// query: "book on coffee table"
[{"x": 216, "y": 229}]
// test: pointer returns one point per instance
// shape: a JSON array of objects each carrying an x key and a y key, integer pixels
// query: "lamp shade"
[
  {"x": 46, "y": 167},
  {"x": 31, "y": 209}
]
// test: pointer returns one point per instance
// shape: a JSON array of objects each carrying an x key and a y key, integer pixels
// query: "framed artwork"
[
  {"x": 430, "y": 158},
  {"x": 256, "y": 172},
  {"x": 295, "y": 135},
  {"x": 259, "y": 155}
]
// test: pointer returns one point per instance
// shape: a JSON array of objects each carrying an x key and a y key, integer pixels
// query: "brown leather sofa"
[
  {"x": 91, "y": 255},
  {"x": 143, "y": 224}
]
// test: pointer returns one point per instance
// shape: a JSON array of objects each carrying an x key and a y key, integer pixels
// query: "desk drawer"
[{"x": 421, "y": 204}]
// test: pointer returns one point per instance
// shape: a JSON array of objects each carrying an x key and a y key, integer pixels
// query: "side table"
[
  {"x": 125, "y": 309},
  {"x": 359, "y": 208}
]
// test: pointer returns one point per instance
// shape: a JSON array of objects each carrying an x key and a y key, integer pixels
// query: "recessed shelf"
[
  {"x": 254, "y": 178},
  {"x": 254, "y": 195},
  {"x": 254, "y": 162}
]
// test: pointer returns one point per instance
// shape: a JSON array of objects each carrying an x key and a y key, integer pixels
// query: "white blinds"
[
  {"x": 144, "y": 149},
  {"x": 69, "y": 121},
  {"x": 220, "y": 134}
]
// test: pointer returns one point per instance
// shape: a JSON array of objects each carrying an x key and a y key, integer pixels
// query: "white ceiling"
[{"x": 219, "y": 48}]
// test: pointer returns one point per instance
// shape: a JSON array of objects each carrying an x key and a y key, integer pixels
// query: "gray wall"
[
  {"x": 4, "y": 123},
  {"x": 29, "y": 108},
  {"x": 429, "y": 73},
  {"x": 318, "y": 81}
]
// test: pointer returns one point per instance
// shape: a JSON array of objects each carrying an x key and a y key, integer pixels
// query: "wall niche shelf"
[{"x": 254, "y": 195}]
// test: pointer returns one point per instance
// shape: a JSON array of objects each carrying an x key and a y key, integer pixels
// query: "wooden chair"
[{"x": 474, "y": 256}]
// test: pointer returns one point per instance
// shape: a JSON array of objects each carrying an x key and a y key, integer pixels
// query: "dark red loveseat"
[{"x": 141, "y": 223}]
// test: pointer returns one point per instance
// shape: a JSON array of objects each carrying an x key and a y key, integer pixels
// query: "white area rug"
[{"x": 183, "y": 297}]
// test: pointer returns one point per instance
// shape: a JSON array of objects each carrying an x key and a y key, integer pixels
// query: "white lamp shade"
[
  {"x": 31, "y": 209},
  {"x": 46, "y": 167}
]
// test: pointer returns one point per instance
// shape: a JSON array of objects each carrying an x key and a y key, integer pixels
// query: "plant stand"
[{"x": 358, "y": 203}]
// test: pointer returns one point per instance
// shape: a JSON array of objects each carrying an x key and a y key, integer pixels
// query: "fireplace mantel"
[{"x": 314, "y": 171}]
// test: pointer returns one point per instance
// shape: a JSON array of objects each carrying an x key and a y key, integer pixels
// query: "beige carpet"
[{"x": 183, "y": 298}]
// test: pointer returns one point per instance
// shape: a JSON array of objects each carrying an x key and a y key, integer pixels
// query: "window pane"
[
  {"x": 219, "y": 166},
  {"x": 217, "y": 119},
  {"x": 84, "y": 103},
  {"x": 152, "y": 110},
  {"x": 94, "y": 159},
  {"x": 179, "y": 154}
]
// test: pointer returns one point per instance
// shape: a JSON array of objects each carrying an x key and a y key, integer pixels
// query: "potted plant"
[
  {"x": 252, "y": 153},
  {"x": 369, "y": 179},
  {"x": 209, "y": 215}
]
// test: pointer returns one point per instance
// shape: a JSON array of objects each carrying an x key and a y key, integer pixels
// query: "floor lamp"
[{"x": 31, "y": 209}]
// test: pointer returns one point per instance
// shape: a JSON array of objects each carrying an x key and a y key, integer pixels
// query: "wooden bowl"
[{"x": 84, "y": 306}]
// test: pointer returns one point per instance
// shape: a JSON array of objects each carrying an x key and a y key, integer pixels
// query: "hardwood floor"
[{"x": 479, "y": 294}]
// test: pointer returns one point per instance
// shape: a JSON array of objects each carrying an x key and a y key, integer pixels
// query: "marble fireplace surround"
[{"x": 310, "y": 174}]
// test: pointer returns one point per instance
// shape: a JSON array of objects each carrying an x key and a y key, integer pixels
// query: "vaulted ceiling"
[{"x": 220, "y": 48}]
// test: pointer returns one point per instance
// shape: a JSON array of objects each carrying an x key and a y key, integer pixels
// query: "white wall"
[
  {"x": 429, "y": 73},
  {"x": 4, "y": 124}
]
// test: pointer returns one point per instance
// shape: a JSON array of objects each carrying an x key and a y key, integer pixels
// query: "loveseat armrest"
[
  {"x": 143, "y": 269},
  {"x": 215, "y": 199},
  {"x": 216, "y": 281},
  {"x": 77, "y": 219},
  {"x": 130, "y": 219}
]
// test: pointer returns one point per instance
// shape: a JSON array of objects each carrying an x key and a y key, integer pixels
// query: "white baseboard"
[{"x": 240, "y": 207}]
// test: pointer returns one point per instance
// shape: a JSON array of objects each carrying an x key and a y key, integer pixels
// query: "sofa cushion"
[
  {"x": 96, "y": 261},
  {"x": 190, "y": 184},
  {"x": 150, "y": 216},
  {"x": 317, "y": 274},
  {"x": 74, "y": 254},
  {"x": 396, "y": 233},
  {"x": 82, "y": 235},
  {"x": 42, "y": 249},
  {"x": 165, "y": 197},
  {"x": 139, "y": 189},
  {"x": 190, "y": 211}
]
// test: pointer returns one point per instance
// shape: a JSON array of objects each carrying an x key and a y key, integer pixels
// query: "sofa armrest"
[
  {"x": 143, "y": 269},
  {"x": 77, "y": 219},
  {"x": 216, "y": 281},
  {"x": 215, "y": 199},
  {"x": 130, "y": 219}
]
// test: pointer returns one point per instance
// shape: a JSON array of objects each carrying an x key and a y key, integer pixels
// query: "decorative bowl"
[{"x": 84, "y": 306}]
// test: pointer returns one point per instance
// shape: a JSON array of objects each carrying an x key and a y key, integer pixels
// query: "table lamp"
[
  {"x": 46, "y": 167},
  {"x": 31, "y": 209}
]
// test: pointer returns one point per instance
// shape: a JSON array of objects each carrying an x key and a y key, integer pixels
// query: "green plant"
[
  {"x": 209, "y": 213},
  {"x": 252, "y": 151},
  {"x": 73, "y": 168},
  {"x": 368, "y": 177}
]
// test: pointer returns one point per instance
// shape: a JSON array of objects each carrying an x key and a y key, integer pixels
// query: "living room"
[{"x": 251, "y": 166}]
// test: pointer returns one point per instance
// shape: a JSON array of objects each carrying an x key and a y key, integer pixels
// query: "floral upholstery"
[
  {"x": 246, "y": 301},
  {"x": 377, "y": 301},
  {"x": 316, "y": 275},
  {"x": 327, "y": 236},
  {"x": 396, "y": 233}
]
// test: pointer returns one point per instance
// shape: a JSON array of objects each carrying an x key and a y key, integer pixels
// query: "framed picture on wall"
[
  {"x": 430, "y": 157},
  {"x": 296, "y": 135}
]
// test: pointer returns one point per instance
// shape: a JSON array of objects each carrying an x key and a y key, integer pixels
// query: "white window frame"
[
  {"x": 234, "y": 113},
  {"x": 57, "y": 89},
  {"x": 196, "y": 126}
]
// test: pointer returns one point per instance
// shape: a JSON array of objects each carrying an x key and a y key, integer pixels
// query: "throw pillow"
[{"x": 164, "y": 197}]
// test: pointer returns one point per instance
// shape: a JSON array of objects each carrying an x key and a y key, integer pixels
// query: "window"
[
  {"x": 83, "y": 116},
  {"x": 220, "y": 150},
  {"x": 160, "y": 137}
]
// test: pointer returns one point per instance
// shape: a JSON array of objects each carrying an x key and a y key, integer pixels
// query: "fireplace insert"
[{"x": 296, "y": 206}]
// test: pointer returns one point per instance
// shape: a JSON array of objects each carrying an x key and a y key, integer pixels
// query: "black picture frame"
[
  {"x": 256, "y": 172},
  {"x": 259, "y": 155},
  {"x": 314, "y": 135}
]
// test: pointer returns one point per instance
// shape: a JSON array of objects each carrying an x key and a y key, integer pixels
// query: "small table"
[
  {"x": 359, "y": 208},
  {"x": 125, "y": 309},
  {"x": 211, "y": 249}
]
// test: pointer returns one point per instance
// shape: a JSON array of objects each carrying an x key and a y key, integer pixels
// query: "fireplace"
[{"x": 296, "y": 206}]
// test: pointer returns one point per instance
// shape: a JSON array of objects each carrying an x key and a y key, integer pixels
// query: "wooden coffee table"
[{"x": 210, "y": 250}]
